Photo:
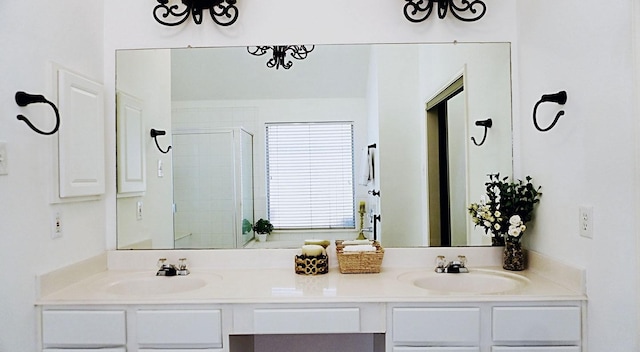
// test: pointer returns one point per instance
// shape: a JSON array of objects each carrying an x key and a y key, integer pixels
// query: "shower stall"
[{"x": 213, "y": 188}]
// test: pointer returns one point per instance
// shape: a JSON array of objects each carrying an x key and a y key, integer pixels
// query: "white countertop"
[{"x": 282, "y": 285}]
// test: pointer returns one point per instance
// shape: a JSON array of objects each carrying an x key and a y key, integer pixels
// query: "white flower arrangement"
[
  {"x": 516, "y": 227},
  {"x": 510, "y": 205}
]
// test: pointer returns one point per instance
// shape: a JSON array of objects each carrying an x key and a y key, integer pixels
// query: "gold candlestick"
[{"x": 361, "y": 211}]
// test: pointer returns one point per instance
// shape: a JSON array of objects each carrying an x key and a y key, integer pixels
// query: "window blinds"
[{"x": 310, "y": 175}]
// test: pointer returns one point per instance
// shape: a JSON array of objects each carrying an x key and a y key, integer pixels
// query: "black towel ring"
[
  {"x": 154, "y": 134},
  {"x": 558, "y": 98},
  {"x": 487, "y": 125},
  {"x": 24, "y": 99}
]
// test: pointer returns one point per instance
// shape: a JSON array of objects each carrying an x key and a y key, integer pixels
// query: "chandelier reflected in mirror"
[
  {"x": 223, "y": 12},
  {"x": 464, "y": 10},
  {"x": 279, "y": 53}
]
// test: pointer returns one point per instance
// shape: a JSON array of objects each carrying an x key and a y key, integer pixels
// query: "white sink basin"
[
  {"x": 159, "y": 285},
  {"x": 478, "y": 281}
]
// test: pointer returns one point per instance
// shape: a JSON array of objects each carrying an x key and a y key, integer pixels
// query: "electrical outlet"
[
  {"x": 56, "y": 225},
  {"x": 585, "y": 221},
  {"x": 139, "y": 210},
  {"x": 4, "y": 166}
]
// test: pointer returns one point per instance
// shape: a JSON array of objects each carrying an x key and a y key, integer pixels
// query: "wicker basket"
[{"x": 359, "y": 262}]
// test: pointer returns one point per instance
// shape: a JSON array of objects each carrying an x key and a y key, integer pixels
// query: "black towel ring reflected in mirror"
[
  {"x": 154, "y": 134},
  {"x": 24, "y": 99},
  {"x": 558, "y": 98},
  {"x": 487, "y": 125}
]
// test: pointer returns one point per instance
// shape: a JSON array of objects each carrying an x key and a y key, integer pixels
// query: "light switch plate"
[
  {"x": 4, "y": 160},
  {"x": 139, "y": 210}
]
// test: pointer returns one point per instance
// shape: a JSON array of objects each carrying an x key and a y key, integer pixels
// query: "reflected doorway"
[{"x": 446, "y": 160}]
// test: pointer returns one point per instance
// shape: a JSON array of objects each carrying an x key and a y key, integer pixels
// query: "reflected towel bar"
[
  {"x": 154, "y": 134},
  {"x": 487, "y": 125}
]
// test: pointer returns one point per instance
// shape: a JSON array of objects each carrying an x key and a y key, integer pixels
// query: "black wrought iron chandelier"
[
  {"x": 278, "y": 58},
  {"x": 223, "y": 12},
  {"x": 464, "y": 10}
]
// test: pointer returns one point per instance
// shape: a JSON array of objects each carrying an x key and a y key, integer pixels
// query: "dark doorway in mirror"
[{"x": 445, "y": 115}]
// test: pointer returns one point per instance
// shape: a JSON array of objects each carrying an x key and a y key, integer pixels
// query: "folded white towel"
[
  {"x": 360, "y": 248},
  {"x": 352, "y": 242}
]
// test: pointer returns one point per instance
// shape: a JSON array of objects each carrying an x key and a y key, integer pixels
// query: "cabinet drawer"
[
  {"x": 436, "y": 349},
  {"x": 537, "y": 324},
  {"x": 436, "y": 326},
  {"x": 177, "y": 328},
  {"x": 85, "y": 350},
  {"x": 306, "y": 321},
  {"x": 536, "y": 349},
  {"x": 63, "y": 328},
  {"x": 177, "y": 350}
]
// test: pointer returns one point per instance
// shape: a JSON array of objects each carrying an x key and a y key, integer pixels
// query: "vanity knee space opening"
[{"x": 356, "y": 342}]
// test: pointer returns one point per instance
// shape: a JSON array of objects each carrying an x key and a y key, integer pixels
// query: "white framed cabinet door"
[
  {"x": 81, "y": 140},
  {"x": 131, "y": 152}
]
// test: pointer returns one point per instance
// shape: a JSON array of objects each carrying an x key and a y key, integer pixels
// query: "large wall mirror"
[{"x": 419, "y": 104}]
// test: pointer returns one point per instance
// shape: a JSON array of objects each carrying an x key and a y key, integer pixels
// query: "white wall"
[
  {"x": 34, "y": 33},
  {"x": 401, "y": 144},
  {"x": 590, "y": 157}
]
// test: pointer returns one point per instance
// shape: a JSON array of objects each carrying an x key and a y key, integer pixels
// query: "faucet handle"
[
  {"x": 182, "y": 263},
  {"x": 463, "y": 260},
  {"x": 161, "y": 262},
  {"x": 182, "y": 267},
  {"x": 441, "y": 261}
]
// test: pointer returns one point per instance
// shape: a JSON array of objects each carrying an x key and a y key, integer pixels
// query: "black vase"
[{"x": 513, "y": 257}]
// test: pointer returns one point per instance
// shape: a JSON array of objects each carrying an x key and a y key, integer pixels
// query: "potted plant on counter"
[{"x": 262, "y": 228}]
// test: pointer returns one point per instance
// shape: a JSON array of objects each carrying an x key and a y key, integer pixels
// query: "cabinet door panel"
[
  {"x": 178, "y": 350},
  {"x": 81, "y": 141},
  {"x": 189, "y": 328},
  {"x": 306, "y": 321},
  {"x": 536, "y": 349},
  {"x": 537, "y": 324},
  {"x": 436, "y": 349},
  {"x": 436, "y": 326},
  {"x": 83, "y": 328},
  {"x": 84, "y": 350},
  {"x": 131, "y": 146}
]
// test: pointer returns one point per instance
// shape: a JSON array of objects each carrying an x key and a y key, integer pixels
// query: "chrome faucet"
[
  {"x": 165, "y": 269},
  {"x": 454, "y": 266}
]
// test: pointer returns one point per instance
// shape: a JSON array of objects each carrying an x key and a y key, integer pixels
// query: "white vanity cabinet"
[{"x": 485, "y": 327}]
